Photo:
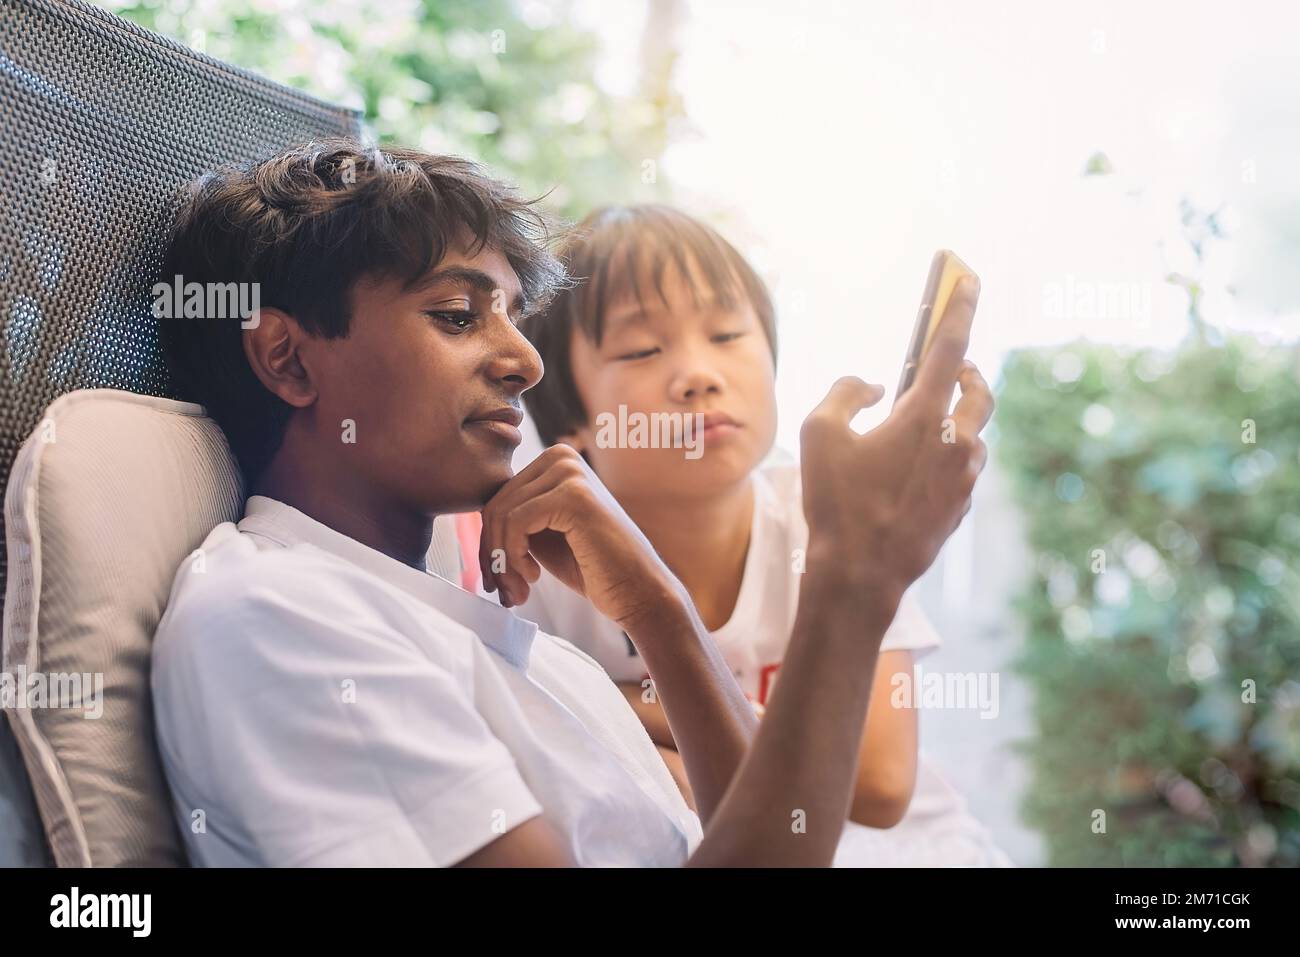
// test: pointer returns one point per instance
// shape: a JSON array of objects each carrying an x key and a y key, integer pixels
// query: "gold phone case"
[{"x": 945, "y": 269}]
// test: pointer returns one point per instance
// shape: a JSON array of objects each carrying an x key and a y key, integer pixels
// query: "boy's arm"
[
  {"x": 677, "y": 768},
  {"x": 788, "y": 799},
  {"x": 887, "y": 760},
  {"x": 650, "y": 712}
]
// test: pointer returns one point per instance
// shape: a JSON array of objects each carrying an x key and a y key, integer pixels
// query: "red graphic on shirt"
[{"x": 766, "y": 679}]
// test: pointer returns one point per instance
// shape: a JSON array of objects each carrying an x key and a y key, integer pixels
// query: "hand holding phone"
[
  {"x": 880, "y": 504},
  {"x": 945, "y": 269}
]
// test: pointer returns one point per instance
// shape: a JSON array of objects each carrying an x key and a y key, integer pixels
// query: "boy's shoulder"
[
  {"x": 233, "y": 571},
  {"x": 236, "y": 590}
]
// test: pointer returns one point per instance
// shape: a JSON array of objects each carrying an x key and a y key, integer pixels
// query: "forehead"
[
  {"x": 464, "y": 268},
  {"x": 483, "y": 270}
]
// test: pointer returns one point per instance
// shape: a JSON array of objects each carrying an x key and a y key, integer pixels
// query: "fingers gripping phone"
[{"x": 945, "y": 269}]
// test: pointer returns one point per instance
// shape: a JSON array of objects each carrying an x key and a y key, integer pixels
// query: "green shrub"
[{"x": 1161, "y": 493}]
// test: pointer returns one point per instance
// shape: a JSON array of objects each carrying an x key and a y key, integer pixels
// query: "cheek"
[
  {"x": 635, "y": 387},
  {"x": 349, "y": 397},
  {"x": 754, "y": 379},
  {"x": 769, "y": 390},
  {"x": 405, "y": 388}
]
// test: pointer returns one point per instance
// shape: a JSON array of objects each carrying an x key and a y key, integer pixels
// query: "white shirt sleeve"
[
  {"x": 910, "y": 630},
  {"x": 323, "y": 736}
]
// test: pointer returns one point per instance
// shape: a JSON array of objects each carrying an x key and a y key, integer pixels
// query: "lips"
[
  {"x": 502, "y": 422},
  {"x": 713, "y": 419},
  {"x": 507, "y": 414},
  {"x": 709, "y": 426},
  {"x": 718, "y": 425}
]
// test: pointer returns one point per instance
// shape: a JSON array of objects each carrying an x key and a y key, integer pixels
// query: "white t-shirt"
[
  {"x": 320, "y": 703},
  {"x": 936, "y": 830}
]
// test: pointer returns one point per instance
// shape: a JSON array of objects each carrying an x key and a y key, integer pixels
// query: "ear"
[{"x": 273, "y": 346}]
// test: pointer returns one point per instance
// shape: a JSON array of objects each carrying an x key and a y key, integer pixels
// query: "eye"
[
  {"x": 640, "y": 354},
  {"x": 458, "y": 319},
  {"x": 727, "y": 336}
]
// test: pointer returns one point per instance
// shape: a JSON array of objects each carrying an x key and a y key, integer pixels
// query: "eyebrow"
[{"x": 465, "y": 276}]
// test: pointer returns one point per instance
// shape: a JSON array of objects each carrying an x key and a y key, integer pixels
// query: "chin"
[
  {"x": 467, "y": 491},
  {"x": 715, "y": 472},
  {"x": 488, "y": 481},
  {"x": 722, "y": 462},
  {"x": 715, "y": 477}
]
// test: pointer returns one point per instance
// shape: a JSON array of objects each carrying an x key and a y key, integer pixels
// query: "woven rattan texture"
[{"x": 102, "y": 122}]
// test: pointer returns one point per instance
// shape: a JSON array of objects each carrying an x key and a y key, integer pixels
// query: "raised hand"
[
  {"x": 556, "y": 514},
  {"x": 880, "y": 505}
]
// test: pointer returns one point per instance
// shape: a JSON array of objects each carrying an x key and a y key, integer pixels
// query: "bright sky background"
[{"x": 841, "y": 143}]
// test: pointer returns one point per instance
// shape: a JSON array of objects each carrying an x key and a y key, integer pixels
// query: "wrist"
[
  {"x": 663, "y": 605},
  {"x": 869, "y": 585}
]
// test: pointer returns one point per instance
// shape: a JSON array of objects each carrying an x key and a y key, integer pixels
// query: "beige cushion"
[
  {"x": 107, "y": 497},
  {"x": 110, "y": 494}
]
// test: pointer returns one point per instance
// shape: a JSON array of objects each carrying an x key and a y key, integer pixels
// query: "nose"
[
  {"x": 693, "y": 378},
  {"x": 513, "y": 359}
]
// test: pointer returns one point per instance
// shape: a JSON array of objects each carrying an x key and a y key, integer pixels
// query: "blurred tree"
[{"x": 510, "y": 84}]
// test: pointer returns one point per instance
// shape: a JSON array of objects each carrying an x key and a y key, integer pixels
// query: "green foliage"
[
  {"x": 1162, "y": 500},
  {"x": 470, "y": 77}
]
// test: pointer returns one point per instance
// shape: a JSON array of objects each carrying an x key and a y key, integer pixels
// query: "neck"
[
  {"x": 348, "y": 507},
  {"x": 705, "y": 542}
]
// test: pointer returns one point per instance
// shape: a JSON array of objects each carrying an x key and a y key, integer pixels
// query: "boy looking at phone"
[{"x": 667, "y": 317}]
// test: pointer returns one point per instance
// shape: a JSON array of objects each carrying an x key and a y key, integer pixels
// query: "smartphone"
[{"x": 945, "y": 269}]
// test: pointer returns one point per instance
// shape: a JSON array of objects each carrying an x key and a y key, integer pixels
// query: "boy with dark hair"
[{"x": 321, "y": 698}]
